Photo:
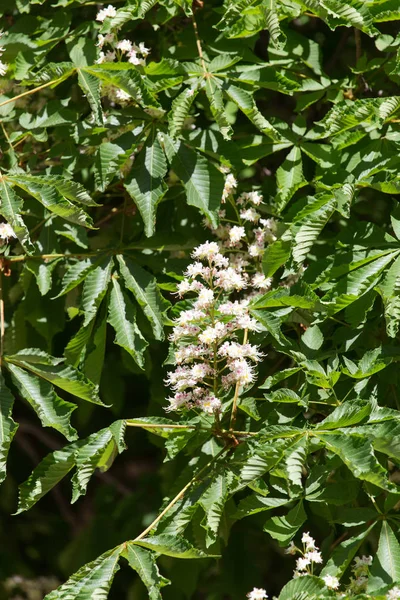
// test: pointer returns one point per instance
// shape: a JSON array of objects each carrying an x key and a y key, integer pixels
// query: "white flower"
[
  {"x": 188, "y": 316},
  {"x": 308, "y": 541},
  {"x": 291, "y": 549},
  {"x": 208, "y": 250},
  {"x": 212, "y": 334},
  {"x": 234, "y": 308},
  {"x": 230, "y": 186},
  {"x": 124, "y": 46},
  {"x": 255, "y": 250},
  {"x": 242, "y": 371},
  {"x": 230, "y": 280},
  {"x": 314, "y": 556},
  {"x": 302, "y": 563},
  {"x": 178, "y": 401},
  {"x": 331, "y": 582},
  {"x": 102, "y": 15},
  {"x": 205, "y": 299},
  {"x": 143, "y": 50},
  {"x": 194, "y": 269},
  {"x": 236, "y": 234},
  {"x": 6, "y": 231},
  {"x": 249, "y": 215},
  {"x": 3, "y": 68},
  {"x": 261, "y": 282},
  {"x": 363, "y": 561},
  {"x": 183, "y": 287},
  {"x": 393, "y": 594},
  {"x": 123, "y": 96},
  {"x": 257, "y": 594},
  {"x": 190, "y": 91},
  {"x": 133, "y": 58}
]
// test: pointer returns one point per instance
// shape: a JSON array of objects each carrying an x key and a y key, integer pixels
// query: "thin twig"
[
  {"x": 178, "y": 496},
  {"x": 199, "y": 46},
  {"x": 29, "y": 92},
  {"x": 158, "y": 425}
]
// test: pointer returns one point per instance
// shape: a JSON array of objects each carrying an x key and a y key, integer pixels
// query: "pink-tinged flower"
[
  {"x": 230, "y": 186},
  {"x": 209, "y": 404},
  {"x": 230, "y": 279},
  {"x": 260, "y": 282},
  {"x": 205, "y": 299},
  {"x": 249, "y": 214},
  {"x": 6, "y": 231}
]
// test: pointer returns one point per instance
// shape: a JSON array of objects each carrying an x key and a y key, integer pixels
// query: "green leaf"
[
  {"x": 95, "y": 287},
  {"x": 349, "y": 413},
  {"x": 8, "y": 426},
  {"x": 46, "y": 475},
  {"x": 146, "y": 183},
  {"x": 180, "y": 109},
  {"x": 93, "y": 580},
  {"x": 170, "y": 545},
  {"x": 203, "y": 183},
  {"x": 144, "y": 563},
  {"x": 144, "y": 288},
  {"x": 385, "y": 569},
  {"x": 344, "y": 553},
  {"x": 50, "y": 408},
  {"x": 105, "y": 165},
  {"x": 302, "y": 588},
  {"x": 358, "y": 455},
  {"x": 122, "y": 317},
  {"x": 285, "y": 528},
  {"x": 289, "y": 177},
  {"x": 11, "y": 206},
  {"x": 216, "y": 101},
  {"x": 91, "y": 88},
  {"x": 63, "y": 376},
  {"x": 275, "y": 256}
]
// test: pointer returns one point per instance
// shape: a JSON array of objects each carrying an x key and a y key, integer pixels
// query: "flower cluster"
[
  {"x": 247, "y": 240},
  {"x": 211, "y": 350},
  {"x": 310, "y": 556},
  {"x": 393, "y": 594},
  {"x": 3, "y": 66},
  {"x": 359, "y": 579},
  {"x": 112, "y": 49}
]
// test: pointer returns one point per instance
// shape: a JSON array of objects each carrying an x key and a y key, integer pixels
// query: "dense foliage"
[{"x": 200, "y": 264}]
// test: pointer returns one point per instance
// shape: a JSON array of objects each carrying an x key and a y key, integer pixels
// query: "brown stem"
[{"x": 199, "y": 46}]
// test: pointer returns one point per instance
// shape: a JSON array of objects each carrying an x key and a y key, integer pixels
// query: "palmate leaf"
[
  {"x": 245, "y": 101},
  {"x": 272, "y": 22},
  {"x": 8, "y": 426},
  {"x": 344, "y": 553},
  {"x": 335, "y": 12},
  {"x": 289, "y": 177},
  {"x": 144, "y": 563},
  {"x": 95, "y": 287},
  {"x": 122, "y": 317},
  {"x": 285, "y": 528},
  {"x": 63, "y": 376},
  {"x": 358, "y": 455},
  {"x": 385, "y": 569},
  {"x": 216, "y": 101},
  {"x": 91, "y": 88},
  {"x": 213, "y": 501},
  {"x": 146, "y": 184},
  {"x": 105, "y": 165},
  {"x": 170, "y": 545},
  {"x": 10, "y": 208},
  {"x": 180, "y": 109},
  {"x": 50, "y": 408},
  {"x": 203, "y": 183},
  {"x": 144, "y": 288},
  {"x": 307, "y": 230},
  {"x": 92, "y": 581},
  {"x": 125, "y": 77},
  {"x": 96, "y": 451},
  {"x": 302, "y": 588},
  {"x": 77, "y": 272},
  {"x": 54, "y": 200}
]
